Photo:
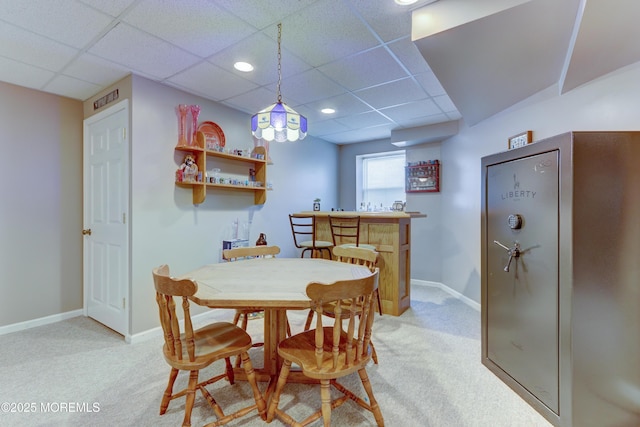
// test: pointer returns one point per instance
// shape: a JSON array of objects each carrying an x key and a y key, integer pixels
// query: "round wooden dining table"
[{"x": 272, "y": 284}]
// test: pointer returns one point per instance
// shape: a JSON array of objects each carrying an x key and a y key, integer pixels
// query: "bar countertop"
[
  {"x": 390, "y": 233},
  {"x": 363, "y": 214}
]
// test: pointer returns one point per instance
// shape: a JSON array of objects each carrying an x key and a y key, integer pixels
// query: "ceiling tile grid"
[
  {"x": 66, "y": 21},
  {"x": 33, "y": 49},
  {"x": 354, "y": 56}
]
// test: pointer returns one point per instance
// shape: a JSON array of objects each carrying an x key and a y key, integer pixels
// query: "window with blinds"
[{"x": 382, "y": 180}]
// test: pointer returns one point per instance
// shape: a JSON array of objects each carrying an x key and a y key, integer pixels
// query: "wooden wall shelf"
[{"x": 202, "y": 156}]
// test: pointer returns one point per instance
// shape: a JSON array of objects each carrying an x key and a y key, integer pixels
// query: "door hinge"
[
  {"x": 124, "y": 218},
  {"x": 124, "y": 133},
  {"x": 124, "y": 303}
]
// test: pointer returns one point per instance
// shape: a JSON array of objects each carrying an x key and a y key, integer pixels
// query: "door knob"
[{"x": 86, "y": 231}]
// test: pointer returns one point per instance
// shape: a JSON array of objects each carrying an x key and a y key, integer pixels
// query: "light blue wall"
[
  {"x": 425, "y": 232},
  {"x": 168, "y": 228},
  {"x": 607, "y": 103}
]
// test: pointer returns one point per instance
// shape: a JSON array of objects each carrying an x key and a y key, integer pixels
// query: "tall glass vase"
[
  {"x": 195, "y": 112},
  {"x": 182, "y": 124}
]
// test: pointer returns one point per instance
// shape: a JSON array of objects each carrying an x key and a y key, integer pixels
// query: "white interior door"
[{"x": 106, "y": 217}]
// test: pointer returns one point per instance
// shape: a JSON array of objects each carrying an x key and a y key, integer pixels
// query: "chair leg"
[
  {"x": 251, "y": 377},
  {"x": 379, "y": 301},
  {"x": 307, "y": 324},
  {"x": 245, "y": 320},
  {"x": 325, "y": 397},
  {"x": 374, "y": 355},
  {"x": 229, "y": 370},
  {"x": 166, "y": 397},
  {"x": 236, "y": 318},
  {"x": 190, "y": 398},
  {"x": 275, "y": 399},
  {"x": 373, "y": 403}
]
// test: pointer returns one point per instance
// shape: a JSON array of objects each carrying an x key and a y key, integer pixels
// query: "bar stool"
[
  {"x": 303, "y": 228},
  {"x": 345, "y": 231}
]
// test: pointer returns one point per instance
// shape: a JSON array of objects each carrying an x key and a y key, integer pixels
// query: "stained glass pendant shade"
[{"x": 278, "y": 122}]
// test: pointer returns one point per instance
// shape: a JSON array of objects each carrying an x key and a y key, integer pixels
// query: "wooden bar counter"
[{"x": 390, "y": 233}]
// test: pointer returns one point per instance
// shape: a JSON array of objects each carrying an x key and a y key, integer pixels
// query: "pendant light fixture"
[{"x": 278, "y": 122}]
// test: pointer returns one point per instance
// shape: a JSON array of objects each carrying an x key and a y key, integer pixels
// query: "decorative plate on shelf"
[{"x": 213, "y": 135}]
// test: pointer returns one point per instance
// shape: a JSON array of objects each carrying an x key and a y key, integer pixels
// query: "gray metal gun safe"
[{"x": 561, "y": 276}]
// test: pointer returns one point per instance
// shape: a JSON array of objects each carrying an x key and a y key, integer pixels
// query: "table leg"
[{"x": 275, "y": 330}]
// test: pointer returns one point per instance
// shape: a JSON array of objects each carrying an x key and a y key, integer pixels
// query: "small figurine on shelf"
[
  {"x": 189, "y": 168},
  {"x": 316, "y": 204}
]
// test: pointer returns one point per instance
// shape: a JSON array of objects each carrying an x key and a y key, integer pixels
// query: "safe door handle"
[{"x": 513, "y": 252}]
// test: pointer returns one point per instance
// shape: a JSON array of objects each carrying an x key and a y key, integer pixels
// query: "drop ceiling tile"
[
  {"x": 72, "y": 87},
  {"x": 364, "y": 69},
  {"x": 364, "y": 120},
  {"x": 93, "y": 69},
  {"x": 389, "y": 20},
  {"x": 345, "y": 105},
  {"x": 308, "y": 87},
  {"x": 21, "y": 74},
  {"x": 112, "y": 7},
  {"x": 197, "y": 26},
  {"x": 394, "y": 93},
  {"x": 445, "y": 103},
  {"x": 73, "y": 23},
  {"x": 142, "y": 52},
  {"x": 252, "y": 101},
  {"x": 262, "y": 52},
  {"x": 327, "y": 127},
  {"x": 425, "y": 121},
  {"x": 430, "y": 83},
  {"x": 33, "y": 49},
  {"x": 405, "y": 112},
  {"x": 360, "y": 135},
  {"x": 261, "y": 13},
  {"x": 454, "y": 115},
  {"x": 213, "y": 82},
  {"x": 324, "y": 32},
  {"x": 409, "y": 55}
]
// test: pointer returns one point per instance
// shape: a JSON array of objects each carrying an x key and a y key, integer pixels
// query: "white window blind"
[{"x": 382, "y": 180}]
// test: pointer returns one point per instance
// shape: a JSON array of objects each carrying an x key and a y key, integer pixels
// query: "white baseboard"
[
  {"x": 156, "y": 333},
  {"x": 471, "y": 303},
  {"x": 28, "y": 324}
]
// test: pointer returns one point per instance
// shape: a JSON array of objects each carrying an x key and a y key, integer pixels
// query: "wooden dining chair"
[
  {"x": 358, "y": 256},
  {"x": 328, "y": 353},
  {"x": 345, "y": 231},
  {"x": 189, "y": 350},
  {"x": 246, "y": 253},
  {"x": 249, "y": 252},
  {"x": 304, "y": 232}
]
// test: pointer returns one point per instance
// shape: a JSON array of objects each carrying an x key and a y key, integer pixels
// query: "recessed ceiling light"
[
  {"x": 328, "y": 111},
  {"x": 245, "y": 67}
]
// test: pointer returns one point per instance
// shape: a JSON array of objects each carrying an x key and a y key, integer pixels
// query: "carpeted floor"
[{"x": 79, "y": 373}]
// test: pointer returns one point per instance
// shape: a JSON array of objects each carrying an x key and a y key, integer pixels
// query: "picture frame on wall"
[{"x": 520, "y": 140}]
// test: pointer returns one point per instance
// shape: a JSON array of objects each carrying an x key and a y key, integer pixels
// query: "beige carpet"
[{"x": 429, "y": 375}]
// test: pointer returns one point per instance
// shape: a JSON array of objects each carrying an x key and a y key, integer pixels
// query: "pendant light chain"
[
  {"x": 278, "y": 122},
  {"x": 279, "y": 61}
]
